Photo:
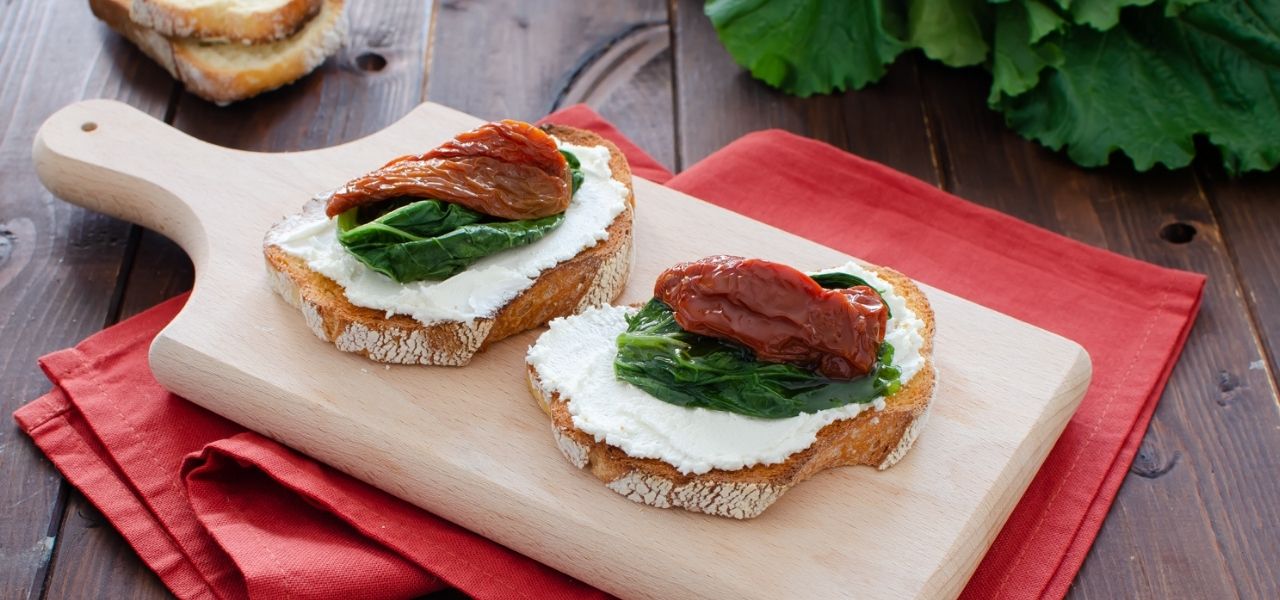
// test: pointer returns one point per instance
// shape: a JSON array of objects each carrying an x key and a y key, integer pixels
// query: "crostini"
[
  {"x": 738, "y": 380},
  {"x": 433, "y": 257}
]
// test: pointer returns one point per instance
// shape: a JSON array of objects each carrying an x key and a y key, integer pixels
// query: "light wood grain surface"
[{"x": 469, "y": 444}]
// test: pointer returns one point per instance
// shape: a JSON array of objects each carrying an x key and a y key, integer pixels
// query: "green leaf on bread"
[
  {"x": 421, "y": 239},
  {"x": 687, "y": 369}
]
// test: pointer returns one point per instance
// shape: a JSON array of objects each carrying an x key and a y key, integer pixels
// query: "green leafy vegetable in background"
[
  {"x": 1019, "y": 56},
  {"x": 810, "y": 46},
  {"x": 949, "y": 31},
  {"x": 1151, "y": 84},
  {"x": 656, "y": 355},
  {"x": 1142, "y": 77},
  {"x": 413, "y": 239}
]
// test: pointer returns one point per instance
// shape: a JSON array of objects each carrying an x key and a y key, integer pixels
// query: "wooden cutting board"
[{"x": 470, "y": 444}]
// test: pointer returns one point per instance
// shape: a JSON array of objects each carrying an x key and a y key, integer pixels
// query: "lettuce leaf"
[
  {"x": 1146, "y": 78},
  {"x": 952, "y": 32},
  {"x": 806, "y": 47},
  {"x": 1152, "y": 84},
  {"x": 1099, "y": 14},
  {"x": 1018, "y": 55},
  {"x": 1105, "y": 14}
]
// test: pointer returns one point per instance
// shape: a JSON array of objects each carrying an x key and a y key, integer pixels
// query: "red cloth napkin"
[{"x": 219, "y": 512}]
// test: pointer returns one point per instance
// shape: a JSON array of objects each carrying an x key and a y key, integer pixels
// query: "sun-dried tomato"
[
  {"x": 508, "y": 169},
  {"x": 780, "y": 313}
]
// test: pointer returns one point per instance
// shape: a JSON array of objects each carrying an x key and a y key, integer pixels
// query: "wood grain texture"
[
  {"x": 613, "y": 57},
  {"x": 374, "y": 80},
  {"x": 58, "y": 263},
  {"x": 160, "y": 270},
  {"x": 295, "y": 388},
  {"x": 718, "y": 102},
  {"x": 1249, "y": 212},
  {"x": 1215, "y": 431},
  {"x": 94, "y": 561}
]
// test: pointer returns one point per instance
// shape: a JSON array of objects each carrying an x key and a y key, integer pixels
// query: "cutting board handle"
[{"x": 112, "y": 158}]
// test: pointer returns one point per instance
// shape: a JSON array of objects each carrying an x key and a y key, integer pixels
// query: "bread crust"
[
  {"x": 593, "y": 277},
  {"x": 223, "y": 73},
  {"x": 222, "y": 21},
  {"x": 115, "y": 13},
  {"x": 878, "y": 438}
]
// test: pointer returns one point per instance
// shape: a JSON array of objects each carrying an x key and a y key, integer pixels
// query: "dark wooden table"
[{"x": 1198, "y": 516}]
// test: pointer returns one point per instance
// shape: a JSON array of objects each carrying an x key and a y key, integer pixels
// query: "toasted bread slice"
[
  {"x": 595, "y": 276},
  {"x": 227, "y": 72},
  {"x": 241, "y": 21},
  {"x": 877, "y": 438}
]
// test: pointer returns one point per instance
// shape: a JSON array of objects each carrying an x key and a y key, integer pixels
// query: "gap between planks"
[{"x": 1256, "y": 328}]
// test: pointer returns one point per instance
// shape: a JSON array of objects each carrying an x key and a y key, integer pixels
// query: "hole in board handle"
[
  {"x": 88, "y": 126},
  {"x": 371, "y": 61}
]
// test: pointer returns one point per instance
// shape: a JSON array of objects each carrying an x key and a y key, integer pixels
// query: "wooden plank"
[
  {"x": 1249, "y": 218},
  {"x": 627, "y": 79},
  {"x": 100, "y": 555},
  {"x": 1195, "y": 518},
  {"x": 614, "y": 57},
  {"x": 374, "y": 80},
  {"x": 58, "y": 263},
  {"x": 160, "y": 270},
  {"x": 718, "y": 102},
  {"x": 380, "y": 72},
  {"x": 1249, "y": 211}
]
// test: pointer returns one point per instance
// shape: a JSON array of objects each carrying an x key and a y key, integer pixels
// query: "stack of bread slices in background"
[{"x": 229, "y": 50}]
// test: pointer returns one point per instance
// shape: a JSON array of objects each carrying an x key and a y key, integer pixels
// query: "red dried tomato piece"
[
  {"x": 779, "y": 312},
  {"x": 508, "y": 169}
]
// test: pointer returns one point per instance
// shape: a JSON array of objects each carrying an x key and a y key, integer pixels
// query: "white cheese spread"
[
  {"x": 484, "y": 287},
  {"x": 575, "y": 359}
]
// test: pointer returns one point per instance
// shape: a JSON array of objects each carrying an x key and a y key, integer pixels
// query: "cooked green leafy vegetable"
[
  {"x": 1142, "y": 77},
  {"x": 575, "y": 169},
  {"x": 417, "y": 239},
  {"x": 840, "y": 281},
  {"x": 433, "y": 240},
  {"x": 687, "y": 369}
]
